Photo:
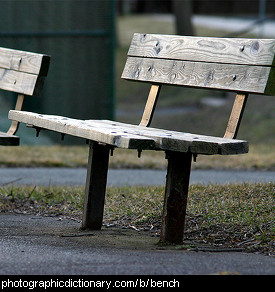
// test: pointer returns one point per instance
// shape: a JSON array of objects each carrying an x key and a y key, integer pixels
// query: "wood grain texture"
[
  {"x": 22, "y": 61},
  {"x": 19, "y": 82},
  {"x": 83, "y": 129},
  {"x": 238, "y": 78},
  {"x": 22, "y": 72},
  {"x": 204, "y": 49},
  {"x": 182, "y": 142},
  {"x": 236, "y": 116},
  {"x": 133, "y": 136},
  {"x": 150, "y": 106}
]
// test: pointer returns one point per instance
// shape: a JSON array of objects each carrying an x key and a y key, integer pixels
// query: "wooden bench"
[
  {"x": 240, "y": 65},
  {"x": 22, "y": 73}
]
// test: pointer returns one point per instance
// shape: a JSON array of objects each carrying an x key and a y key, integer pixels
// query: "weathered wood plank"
[
  {"x": 80, "y": 128},
  {"x": 182, "y": 142},
  {"x": 15, "y": 125},
  {"x": 133, "y": 136},
  {"x": 238, "y": 78},
  {"x": 150, "y": 105},
  {"x": 204, "y": 49},
  {"x": 236, "y": 116},
  {"x": 27, "y": 62},
  {"x": 19, "y": 82}
]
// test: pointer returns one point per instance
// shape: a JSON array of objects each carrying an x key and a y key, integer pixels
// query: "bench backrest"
[
  {"x": 22, "y": 72},
  {"x": 233, "y": 64},
  {"x": 240, "y": 65}
]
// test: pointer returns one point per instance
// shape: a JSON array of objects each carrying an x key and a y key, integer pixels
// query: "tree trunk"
[{"x": 183, "y": 14}]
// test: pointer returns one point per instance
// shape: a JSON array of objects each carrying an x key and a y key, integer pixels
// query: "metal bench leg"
[
  {"x": 95, "y": 186},
  {"x": 175, "y": 201}
]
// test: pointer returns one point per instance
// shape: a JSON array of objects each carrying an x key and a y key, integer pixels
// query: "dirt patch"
[{"x": 68, "y": 232}]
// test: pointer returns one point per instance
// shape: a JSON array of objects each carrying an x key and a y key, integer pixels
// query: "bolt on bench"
[{"x": 240, "y": 65}]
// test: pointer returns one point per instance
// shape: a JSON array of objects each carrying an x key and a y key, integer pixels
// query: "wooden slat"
[
  {"x": 238, "y": 78},
  {"x": 150, "y": 106},
  {"x": 179, "y": 141},
  {"x": 204, "y": 49},
  {"x": 236, "y": 116},
  {"x": 81, "y": 128},
  {"x": 19, "y": 82},
  {"x": 133, "y": 136},
  {"x": 14, "y": 125},
  {"x": 27, "y": 62}
]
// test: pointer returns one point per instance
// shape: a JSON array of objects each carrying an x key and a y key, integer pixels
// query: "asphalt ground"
[
  {"x": 120, "y": 177},
  {"x": 32, "y": 245}
]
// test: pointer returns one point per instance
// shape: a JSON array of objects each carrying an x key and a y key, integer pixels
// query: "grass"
[
  {"x": 259, "y": 157},
  {"x": 235, "y": 216}
]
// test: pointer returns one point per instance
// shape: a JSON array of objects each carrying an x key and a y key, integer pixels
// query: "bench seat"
[{"x": 132, "y": 136}]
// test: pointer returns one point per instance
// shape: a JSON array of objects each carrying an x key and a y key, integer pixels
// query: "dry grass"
[
  {"x": 235, "y": 216},
  {"x": 259, "y": 157}
]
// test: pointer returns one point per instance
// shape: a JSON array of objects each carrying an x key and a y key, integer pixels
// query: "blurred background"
[{"x": 88, "y": 42}]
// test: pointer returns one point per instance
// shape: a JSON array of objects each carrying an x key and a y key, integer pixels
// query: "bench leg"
[
  {"x": 95, "y": 186},
  {"x": 175, "y": 200}
]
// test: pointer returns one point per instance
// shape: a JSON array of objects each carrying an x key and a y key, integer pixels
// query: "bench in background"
[
  {"x": 240, "y": 65},
  {"x": 23, "y": 73}
]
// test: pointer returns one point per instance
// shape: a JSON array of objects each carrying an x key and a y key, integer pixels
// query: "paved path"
[
  {"x": 46, "y": 245},
  {"x": 120, "y": 177}
]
